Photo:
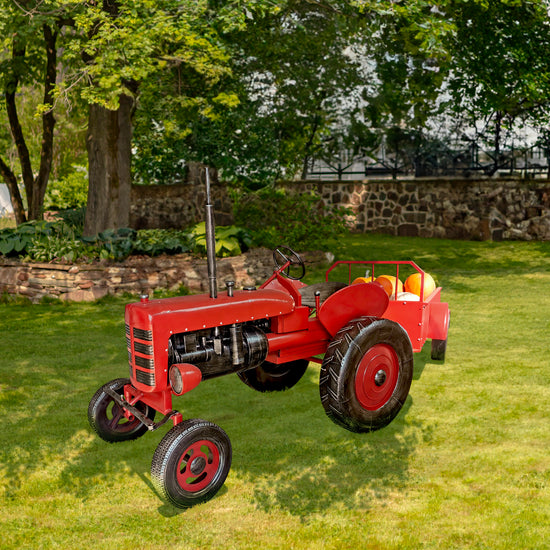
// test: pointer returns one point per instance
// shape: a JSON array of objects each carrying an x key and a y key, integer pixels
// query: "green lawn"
[{"x": 466, "y": 464}]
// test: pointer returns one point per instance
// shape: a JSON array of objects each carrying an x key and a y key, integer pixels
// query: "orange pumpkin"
[
  {"x": 414, "y": 282},
  {"x": 389, "y": 282},
  {"x": 362, "y": 280}
]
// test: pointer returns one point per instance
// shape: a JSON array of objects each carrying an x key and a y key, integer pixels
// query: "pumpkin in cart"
[
  {"x": 389, "y": 282},
  {"x": 413, "y": 284}
]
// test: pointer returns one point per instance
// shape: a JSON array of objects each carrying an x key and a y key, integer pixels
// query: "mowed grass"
[{"x": 466, "y": 464}]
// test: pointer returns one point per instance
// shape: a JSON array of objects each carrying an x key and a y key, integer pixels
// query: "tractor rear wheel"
[
  {"x": 191, "y": 462},
  {"x": 366, "y": 374},
  {"x": 107, "y": 418},
  {"x": 439, "y": 348},
  {"x": 271, "y": 377}
]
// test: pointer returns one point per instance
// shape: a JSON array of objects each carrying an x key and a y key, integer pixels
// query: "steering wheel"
[{"x": 282, "y": 255}]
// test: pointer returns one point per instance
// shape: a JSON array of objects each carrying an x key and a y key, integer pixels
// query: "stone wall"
[
  {"x": 136, "y": 275},
  {"x": 445, "y": 208},
  {"x": 497, "y": 209},
  {"x": 177, "y": 206},
  {"x": 87, "y": 282}
]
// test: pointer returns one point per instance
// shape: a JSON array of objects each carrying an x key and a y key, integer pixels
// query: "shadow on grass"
[
  {"x": 306, "y": 474},
  {"x": 285, "y": 449}
]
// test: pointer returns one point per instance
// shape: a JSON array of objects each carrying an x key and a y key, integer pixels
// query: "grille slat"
[
  {"x": 144, "y": 363},
  {"x": 141, "y": 334},
  {"x": 147, "y": 378},
  {"x": 146, "y": 349}
]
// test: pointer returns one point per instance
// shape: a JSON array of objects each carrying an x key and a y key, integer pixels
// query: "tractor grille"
[{"x": 140, "y": 355}]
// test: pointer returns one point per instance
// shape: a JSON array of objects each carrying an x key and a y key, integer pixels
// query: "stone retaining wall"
[
  {"x": 87, "y": 282},
  {"x": 445, "y": 208},
  {"x": 137, "y": 275}
]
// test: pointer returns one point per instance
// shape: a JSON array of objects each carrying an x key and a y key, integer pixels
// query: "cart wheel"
[
  {"x": 271, "y": 377},
  {"x": 366, "y": 374},
  {"x": 439, "y": 347},
  {"x": 107, "y": 418},
  {"x": 191, "y": 462}
]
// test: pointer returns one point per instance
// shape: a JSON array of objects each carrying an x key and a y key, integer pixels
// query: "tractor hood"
[{"x": 189, "y": 313}]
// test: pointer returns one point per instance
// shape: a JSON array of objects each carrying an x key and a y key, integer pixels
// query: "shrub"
[
  {"x": 301, "y": 221},
  {"x": 152, "y": 242},
  {"x": 230, "y": 240},
  {"x": 68, "y": 192}
]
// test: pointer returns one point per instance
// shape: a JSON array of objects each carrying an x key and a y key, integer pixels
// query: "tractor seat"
[{"x": 326, "y": 290}]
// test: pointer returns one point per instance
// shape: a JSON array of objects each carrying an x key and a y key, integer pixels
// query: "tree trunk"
[
  {"x": 15, "y": 195},
  {"x": 36, "y": 195},
  {"x": 35, "y": 188},
  {"x": 109, "y": 164}
]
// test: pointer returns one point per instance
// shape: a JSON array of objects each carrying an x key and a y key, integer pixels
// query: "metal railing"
[{"x": 464, "y": 162}]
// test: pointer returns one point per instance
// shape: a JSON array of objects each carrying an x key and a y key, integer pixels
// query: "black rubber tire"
[
  {"x": 107, "y": 418},
  {"x": 271, "y": 377},
  {"x": 353, "y": 395},
  {"x": 192, "y": 444},
  {"x": 439, "y": 348}
]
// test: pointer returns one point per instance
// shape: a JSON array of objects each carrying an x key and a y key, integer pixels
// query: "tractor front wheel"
[
  {"x": 107, "y": 418},
  {"x": 271, "y": 377},
  {"x": 366, "y": 374},
  {"x": 191, "y": 462}
]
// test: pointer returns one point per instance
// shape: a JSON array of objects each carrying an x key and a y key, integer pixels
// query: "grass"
[
  {"x": 465, "y": 464},
  {"x": 7, "y": 222}
]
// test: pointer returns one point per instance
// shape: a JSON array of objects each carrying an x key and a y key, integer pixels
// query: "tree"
[
  {"x": 131, "y": 47},
  {"x": 290, "y": 73},
  {"x": 501, "y": 67},
  {"x": 29, "y": 55}
]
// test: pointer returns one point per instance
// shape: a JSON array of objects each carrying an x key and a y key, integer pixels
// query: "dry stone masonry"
[
  {"x": 444, "y": 208},
  {"x": 136, "y": 275}
]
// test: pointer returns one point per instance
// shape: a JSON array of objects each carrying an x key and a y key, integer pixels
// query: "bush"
[
  {"x": 152, "y": 242},
  {"x": 68, "y": 192},
  {"x": 301, "y": 221},
  {"x": 230, "y": 240}
]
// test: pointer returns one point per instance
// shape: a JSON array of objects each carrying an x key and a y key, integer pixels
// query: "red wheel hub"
[
  {"x": 376, "y": 377},
  {"x": 198, "y": 465}
]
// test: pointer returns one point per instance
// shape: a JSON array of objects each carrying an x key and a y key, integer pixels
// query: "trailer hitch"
[{"x": 121, "y": 402}]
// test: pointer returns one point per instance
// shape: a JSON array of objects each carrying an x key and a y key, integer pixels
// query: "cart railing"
[{"x": 372, "y": 264}]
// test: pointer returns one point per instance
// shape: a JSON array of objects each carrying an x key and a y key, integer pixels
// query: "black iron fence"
[{"x": 433, "y": 161}]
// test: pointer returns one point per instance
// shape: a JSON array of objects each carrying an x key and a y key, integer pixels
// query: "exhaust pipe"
[{"x": 210, "y": 231}]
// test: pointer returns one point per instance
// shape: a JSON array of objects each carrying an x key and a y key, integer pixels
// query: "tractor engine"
[{"x": 220, "y": 350}]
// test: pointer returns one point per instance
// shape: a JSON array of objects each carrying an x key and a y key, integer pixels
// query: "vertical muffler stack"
[{"x": 210, "y": 241}]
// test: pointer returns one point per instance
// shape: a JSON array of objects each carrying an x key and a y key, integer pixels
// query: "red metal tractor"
[{"x": 268, "y": 336}]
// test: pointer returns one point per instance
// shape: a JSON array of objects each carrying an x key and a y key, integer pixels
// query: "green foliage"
[
  {"x": 114, "y": 244},
  {"x": 62, "y": 240},
  {"x": 266, "y": 117},
  {"x": 68, "y": 192},
  {"x": 44, "y": 241},
  {"x": 153, "y": 242},
  {"x": 15, "y": 241},
  {"x": 230, "y": 241},
  {"x": 275, "y": 217}
]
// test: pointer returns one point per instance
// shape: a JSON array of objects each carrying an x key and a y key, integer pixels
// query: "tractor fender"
[
  {"x": 438, "y": 321},
  {"x": 351, "y": 302}
]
